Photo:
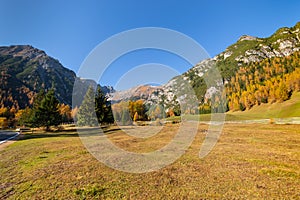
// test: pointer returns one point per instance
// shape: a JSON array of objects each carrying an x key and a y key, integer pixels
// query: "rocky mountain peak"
[
  {"x": 247, "y": 37},
  {"x": 139, "y": 92},
  {"x": 247, "y": 49},
  {"x": 26, "y": 70},
  {"x": 24, "y": 51}
]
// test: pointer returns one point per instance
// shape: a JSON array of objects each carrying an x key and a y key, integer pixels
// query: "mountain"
[
  {"x": 25, "y": 70},
  {"x": 248, "y": 67},
  {"x": 247, "y": 52},
  {"x": 145, "y": 92},
  {"x": 248, "y": 49}
]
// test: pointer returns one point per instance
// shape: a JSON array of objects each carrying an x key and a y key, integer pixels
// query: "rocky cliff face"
[
  {"x": 283, "y": 42},
  {"x": 25, "y": 70},
  {"x": 145, "y": 92},
  {"x": 246, "y": 50}
]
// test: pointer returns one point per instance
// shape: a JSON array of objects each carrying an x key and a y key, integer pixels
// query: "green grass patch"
[
  {"x": 90, "y": 192},
  {"x": 286, "y": 109},
  {"x": 277, "y": 172}
]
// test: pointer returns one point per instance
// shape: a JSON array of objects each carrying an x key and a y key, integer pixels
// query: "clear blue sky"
[{"x": 69, "y": 29}]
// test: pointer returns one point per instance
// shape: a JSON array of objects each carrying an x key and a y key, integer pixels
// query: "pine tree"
[
  {"x": 103, "y": 107},
  {"x": 86, "y": 115},
  {"x": 29, "y": 117},
  {"x": 109, "y": 117},
  {"x": 100, "y": 104},
  {"x": 38, "y": 99},
  {"x": 47, "y": 113}
]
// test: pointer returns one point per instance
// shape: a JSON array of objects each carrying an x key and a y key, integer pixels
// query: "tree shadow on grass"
[
  {"x": 36, "y": 135},
  {"x": 63, "y": 133},
  {"x": 109, "y": 131}
]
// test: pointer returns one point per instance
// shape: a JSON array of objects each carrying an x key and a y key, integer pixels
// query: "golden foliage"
[{"x": 266, "y": 82}]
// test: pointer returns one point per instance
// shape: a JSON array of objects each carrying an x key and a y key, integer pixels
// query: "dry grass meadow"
[{"x": 251, "y": 161}]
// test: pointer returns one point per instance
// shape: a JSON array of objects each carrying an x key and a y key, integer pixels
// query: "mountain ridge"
[
  {"x": 248, "y": 49},
  {"x": 25, "y": 70}
]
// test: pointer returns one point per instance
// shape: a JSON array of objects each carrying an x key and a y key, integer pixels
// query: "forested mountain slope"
[
  {"x": 254, "y": 71},
  {"x": 25, "y": 70}
]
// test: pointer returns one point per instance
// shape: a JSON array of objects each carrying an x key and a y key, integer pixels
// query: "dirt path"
[{"x": 7, "y": 143}]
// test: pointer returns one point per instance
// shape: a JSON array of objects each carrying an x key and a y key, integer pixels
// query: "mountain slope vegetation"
[
  {"x": 25, "y": 70},
  {"x": 286, "y": 109},
  {"x": 269, "y": 81},
  {"x": 254, "y": 71}
]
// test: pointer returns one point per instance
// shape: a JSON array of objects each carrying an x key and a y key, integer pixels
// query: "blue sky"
[{"x": 69, "y": 30}]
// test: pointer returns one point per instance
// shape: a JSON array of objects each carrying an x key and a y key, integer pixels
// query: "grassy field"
[
  {"x": 249, "y": 161},
  {"x": 289, "y": 108},
  {"x": 286, "y": 109}
]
